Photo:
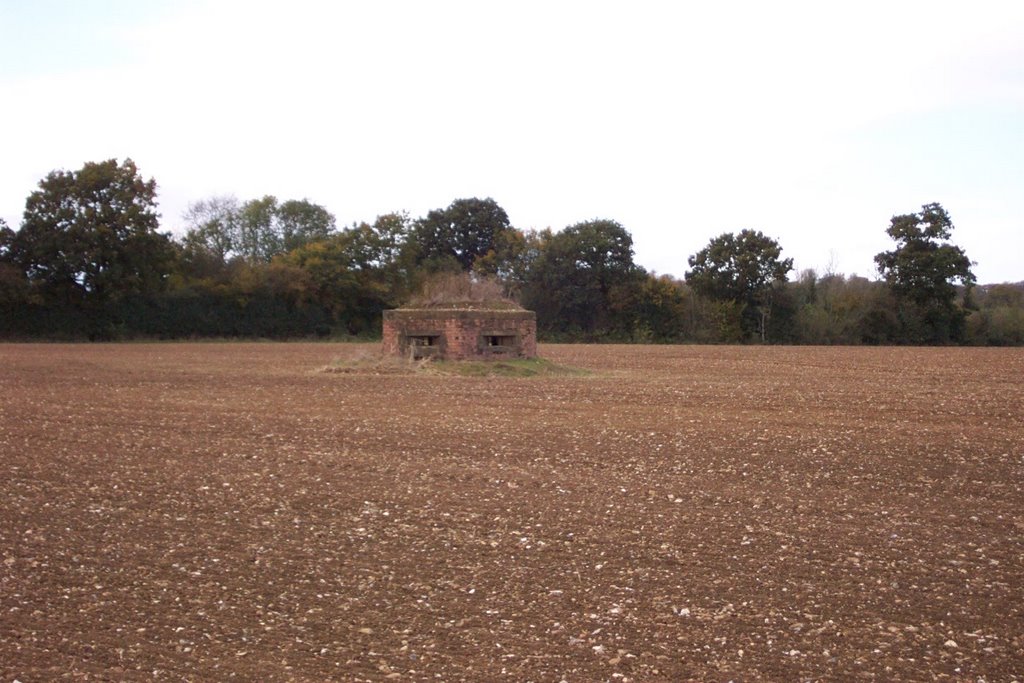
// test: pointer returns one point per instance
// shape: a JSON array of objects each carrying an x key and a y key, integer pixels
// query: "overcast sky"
[{"x": 813, "y": 122}]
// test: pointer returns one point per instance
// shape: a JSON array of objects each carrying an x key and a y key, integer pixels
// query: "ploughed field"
[{"x": 212, "y": 512}]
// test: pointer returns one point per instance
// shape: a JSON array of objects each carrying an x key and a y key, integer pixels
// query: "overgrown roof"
[
  {"x": 461, "y": 292},
  {"x": 491, "y": 305}
]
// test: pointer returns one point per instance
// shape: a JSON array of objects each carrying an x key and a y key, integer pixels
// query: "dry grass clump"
[
  {"x": 461, "y": 290},
  {"x": 367, "y": 363},
  {"x": 517, "y": 367}
]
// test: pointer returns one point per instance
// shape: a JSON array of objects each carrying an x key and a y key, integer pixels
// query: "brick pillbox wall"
[{"x": 460, "y": 334}]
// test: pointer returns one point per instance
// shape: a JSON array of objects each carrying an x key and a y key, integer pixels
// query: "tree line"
[{"x": 90, "y": 261}]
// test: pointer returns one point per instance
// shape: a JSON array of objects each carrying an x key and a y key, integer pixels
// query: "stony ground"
[{"x": 226, "y": 511}]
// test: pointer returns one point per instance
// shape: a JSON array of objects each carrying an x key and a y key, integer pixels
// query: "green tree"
[
  {"x": 584, "y": 281},
  {"x": 380, "y": 244},
  {"x": 660, "y": 315},
  {"x": 212, "y": 227},
  {"x": 220, "y": 228},
  {"x": 1000, "y": 318},
  {"x": 259, "y": 237},
  {"x": 14, "y": 286},
  {"x": 455, "y": 237},
  {"x": 91, "y": 235},
  {"x": 301, "y": 222},
  {"x": 512, "y": 259},
  {"x": 922, "y": 272},
  {"x": 741, "y": 270},
  {"x": 355, "y": 274}
]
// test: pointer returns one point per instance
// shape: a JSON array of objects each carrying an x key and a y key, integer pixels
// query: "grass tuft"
[
  {"x": 365, "y": 363},
  {"x": 378, "y": 364},
  {"x": 520, "y": 367}
]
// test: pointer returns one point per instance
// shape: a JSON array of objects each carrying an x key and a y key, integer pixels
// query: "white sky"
[{"x": 813, "y": 122}]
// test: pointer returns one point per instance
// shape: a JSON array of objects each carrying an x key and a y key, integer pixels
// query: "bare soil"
[{"x": 212, "y": 512}]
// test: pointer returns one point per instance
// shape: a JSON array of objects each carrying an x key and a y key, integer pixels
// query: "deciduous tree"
[
  {"x": 354, "y": 273},
  {"x": 302, "y": 222},
  {"x": 469, "y": 229},
  {"x": 740, "y": 269},
  {"x": 91, "y": 234},
  {"x": 922, "y": 272},
  {"x": 258, "y": 230},
  {"x": 212, "y": 226},
  {"x": 584, "y": 280},
  {"x": 14, "y": 286}
]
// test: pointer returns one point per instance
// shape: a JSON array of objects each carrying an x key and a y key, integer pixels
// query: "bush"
[{"x": 998, "y": 326}]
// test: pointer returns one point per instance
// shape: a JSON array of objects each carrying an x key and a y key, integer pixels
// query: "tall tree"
[
  {"x": 384, "y": 249},
  {"x": 740, "y": 270},
  {"x": 922, "y": 272},
  {"x": 584, "y": 280},
  {"x": 349, "y": 274},
  {"x": 259, "y": 236},
  {"x": 92, "y": 235},
  {"x": 14, "y": 286},
  {"x": 302, "y": 222},
  {"x": 513, "y": 257},
  {"x": 661, "y": 310},
  {"x": 258, "y": 230},
  {"x": 467, "y": 230},
  {"x": 212, "y": 227}
]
